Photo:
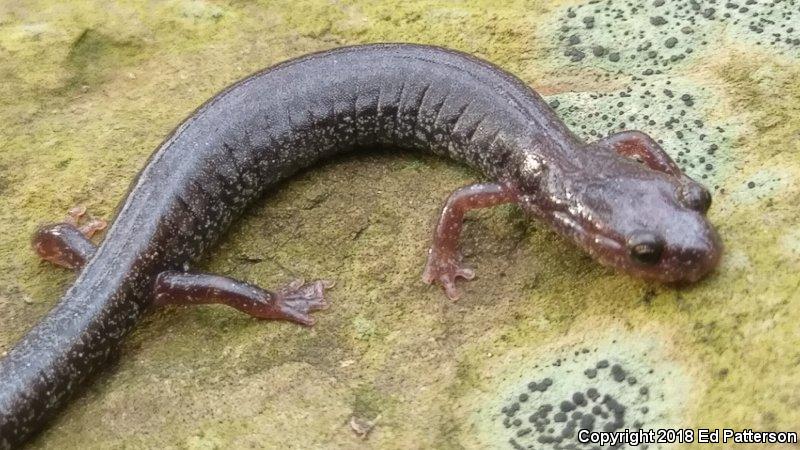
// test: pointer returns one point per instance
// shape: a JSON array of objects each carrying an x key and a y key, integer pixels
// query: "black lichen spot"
[
  {"x": 587, "y": 422},
  {"x": 618, "y": 373},
  {"x": 577, "y": 55}
]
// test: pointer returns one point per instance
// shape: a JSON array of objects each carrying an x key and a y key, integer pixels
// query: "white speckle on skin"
[{"x": 531, "y": 165}]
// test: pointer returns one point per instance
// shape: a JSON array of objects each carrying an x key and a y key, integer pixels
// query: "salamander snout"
[
  {"x": 674, "y": 257},
  {"x": 697, "y": 256}
]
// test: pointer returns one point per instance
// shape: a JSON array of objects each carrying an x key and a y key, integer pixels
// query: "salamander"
[{"x": 622, "y": 199}]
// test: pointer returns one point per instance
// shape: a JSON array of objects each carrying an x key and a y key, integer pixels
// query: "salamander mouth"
[{"x": 607, "y": 248}]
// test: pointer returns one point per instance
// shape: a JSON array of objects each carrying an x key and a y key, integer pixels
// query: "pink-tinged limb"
[
  {"x": 444, "y": 263},
  {"x": 293, "y": 302},
  {"x": 67, "y": 243},
  {"x": 641, "y": 147}
]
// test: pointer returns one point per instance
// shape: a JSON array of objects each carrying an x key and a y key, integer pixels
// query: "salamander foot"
[
  {"x": 445, "y": 270},
  {"x": 88, "y": 229},
  {"x": 296, "y": 300}
]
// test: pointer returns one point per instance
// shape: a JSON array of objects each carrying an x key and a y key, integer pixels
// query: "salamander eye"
[
  {"x": 645, "y": 247},
  {"x": 695, "y": 197}
]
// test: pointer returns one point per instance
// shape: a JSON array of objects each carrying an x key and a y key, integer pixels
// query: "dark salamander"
[{"x": 622, "y": 199}]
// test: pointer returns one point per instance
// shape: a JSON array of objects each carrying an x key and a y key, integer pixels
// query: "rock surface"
[{"x": 90, "y": 88}]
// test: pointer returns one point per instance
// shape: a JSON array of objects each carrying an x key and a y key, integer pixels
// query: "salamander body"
[{"x": 622, "y": 199}]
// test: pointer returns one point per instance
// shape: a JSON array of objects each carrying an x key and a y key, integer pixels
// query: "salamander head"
[{"x": 644, "y": 222}]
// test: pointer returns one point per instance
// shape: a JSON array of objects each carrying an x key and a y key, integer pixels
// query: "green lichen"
[{"x": 92, "y": 87}]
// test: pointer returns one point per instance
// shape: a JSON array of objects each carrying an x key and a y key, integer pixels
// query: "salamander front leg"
[
  {"x": 293, "y": 302},
  {"x": 640, "y": 146},
  {"x": 67, "y": 243},
  {"x": 444, "y": 259}
]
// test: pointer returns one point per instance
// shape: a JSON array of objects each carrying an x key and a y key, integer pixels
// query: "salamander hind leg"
[
  {"x": 67, "y": 243},
  {"x": 293, "y": 302},
  {"x": 444, "y": 263}
]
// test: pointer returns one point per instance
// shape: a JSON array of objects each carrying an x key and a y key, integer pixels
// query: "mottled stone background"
[{"x": 88, "y": 89}]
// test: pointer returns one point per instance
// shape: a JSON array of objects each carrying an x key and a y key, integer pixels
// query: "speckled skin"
[{"x": 266, "y": 127}]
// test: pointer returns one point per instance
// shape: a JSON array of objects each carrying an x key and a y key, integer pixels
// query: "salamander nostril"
[{"x": 645, "y": 247}]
